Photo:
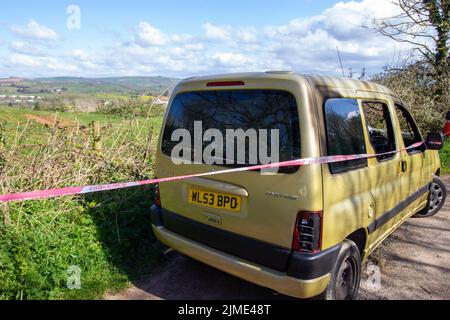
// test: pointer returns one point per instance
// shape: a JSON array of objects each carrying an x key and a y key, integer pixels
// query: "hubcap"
[
  {"x": 346, "y": 283},
  {"x": 436, "y": 197}
]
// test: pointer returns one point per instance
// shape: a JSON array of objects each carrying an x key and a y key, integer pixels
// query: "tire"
[
  {"x": 436, "y": 199},
  {"x": 346, "y": 275}
]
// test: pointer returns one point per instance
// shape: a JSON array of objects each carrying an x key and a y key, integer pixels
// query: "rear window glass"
[
  {"x": 237, "y": 109},
  {"x": 408, "y": 127},
  {"x": 345, "y": 133},
  {"x": 380, "y": 129}
]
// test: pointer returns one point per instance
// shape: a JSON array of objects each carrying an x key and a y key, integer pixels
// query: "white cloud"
[
  {"x": 23, "y": 60},
  {"x": 195, "y": 46},
  {"x": 26, "y": 48},
  {"x": 148, "y": 35},
  {"x": 229, "y": 59},
  {"x": 213, "y": 32},
  {"x": 36, "y": 31},
  {"x": 309, "y": 44},
  {"x": 52, "y": 65},
  {"x": 248, "y": 35}
]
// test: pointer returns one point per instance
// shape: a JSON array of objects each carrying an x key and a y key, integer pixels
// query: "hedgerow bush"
[
  {"x": 424, "y": 96},
  {"x": 132, "y": 109},
  {"x": 445, "y": 157},
  {"x": 427, "y": 99},
  {"x": 106, "y": 235}
]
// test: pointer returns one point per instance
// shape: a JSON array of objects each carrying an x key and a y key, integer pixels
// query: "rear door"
[
  {"x": 260, "y": 205},
  {"x": 413, "y": 173},
  {"x": 348, "y": 202},
  {"x": 388, "y": 184}
]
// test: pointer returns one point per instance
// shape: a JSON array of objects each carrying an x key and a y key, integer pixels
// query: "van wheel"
[
  {"x": 436, "y": 199},
  {"x": 346, "y": 275}
]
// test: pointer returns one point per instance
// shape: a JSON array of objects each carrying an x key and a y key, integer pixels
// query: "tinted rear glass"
[{"x": 237, "y": 109}]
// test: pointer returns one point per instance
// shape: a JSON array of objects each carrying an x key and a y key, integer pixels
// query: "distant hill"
[
  {"x": 10, "y": 80},
  {"x": 128, "y": 85}
]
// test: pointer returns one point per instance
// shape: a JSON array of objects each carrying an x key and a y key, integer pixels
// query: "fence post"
[
  {"x": 96, "y": 137},
  {"x": 149, "y": 145},
  {"x": 6, "y": 216},
  {"x": 3, "y": 206},
  {"x": 2, "y": 136}
]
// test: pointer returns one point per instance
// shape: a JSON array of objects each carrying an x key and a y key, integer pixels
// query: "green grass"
[
  {"x": 13, "y": 115},
  {"x": 445, "y": 157},
  {"x": 15, "y": 121},
  {"x": 107, "y": 235}
]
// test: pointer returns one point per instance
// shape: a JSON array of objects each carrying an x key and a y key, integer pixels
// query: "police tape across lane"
[{"x": 72, "y": 191}]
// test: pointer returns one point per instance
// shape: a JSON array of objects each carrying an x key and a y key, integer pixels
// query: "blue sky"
[{"x": 184, "y": 38}]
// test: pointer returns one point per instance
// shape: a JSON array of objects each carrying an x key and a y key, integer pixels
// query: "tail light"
[
  {"x": 157, "y": 195},
  {"x": 225, "y": 84},
  {"x": 308, "y": 232}
]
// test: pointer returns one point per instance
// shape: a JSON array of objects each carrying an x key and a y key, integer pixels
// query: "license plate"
[{"x": 215, "y": 200}]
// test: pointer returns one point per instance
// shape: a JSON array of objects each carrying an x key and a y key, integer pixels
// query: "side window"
[
  {"x": 345, "y": 133},
  {"x": 380, "y": 129},
  {"x": 410, "y": 132}
]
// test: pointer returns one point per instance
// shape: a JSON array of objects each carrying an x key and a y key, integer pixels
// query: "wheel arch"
[
  {"x": 438, "y": 172},
  {"x": 359, "y": 237}
]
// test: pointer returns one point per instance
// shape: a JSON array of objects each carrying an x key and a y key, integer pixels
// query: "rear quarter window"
[
  {"x": 380, "y": 129},
  {"x": 345, "y": 133}
]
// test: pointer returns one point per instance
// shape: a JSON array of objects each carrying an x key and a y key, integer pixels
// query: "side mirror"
[{"x": 434, "y": 141}]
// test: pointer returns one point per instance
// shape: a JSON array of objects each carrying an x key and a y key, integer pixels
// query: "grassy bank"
[
  {"x": 445, "y": 157},
  {"x": 106, "y": 235}
]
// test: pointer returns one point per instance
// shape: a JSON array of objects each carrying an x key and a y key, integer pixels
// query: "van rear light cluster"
[
  {"x": 308, "y": 232},
  {"x": 157, "y": 195}
]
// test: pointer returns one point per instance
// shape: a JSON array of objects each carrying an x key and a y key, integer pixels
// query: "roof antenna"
[{"x": 340, "y": 61}]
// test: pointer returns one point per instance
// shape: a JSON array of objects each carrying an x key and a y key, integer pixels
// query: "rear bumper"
[
  {"x": 306, "y": 276},
  {"x": 242, "y": 269}
]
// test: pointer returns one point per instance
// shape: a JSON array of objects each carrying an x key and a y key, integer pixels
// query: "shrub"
[
  {"x": 107, "y": 235},
  {"x": 131, "y": 109},
  {"x": 415, "y": 84},
  {"x": 445, "y": 157}
]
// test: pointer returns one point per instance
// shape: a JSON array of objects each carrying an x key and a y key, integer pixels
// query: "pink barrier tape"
[{"x": 71, "y": 191}]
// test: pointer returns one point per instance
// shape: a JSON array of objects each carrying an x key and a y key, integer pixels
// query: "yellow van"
[{"x": 303, "y": 231}]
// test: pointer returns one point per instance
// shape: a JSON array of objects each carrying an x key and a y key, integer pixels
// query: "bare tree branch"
[{"x": 420, "y": 19}]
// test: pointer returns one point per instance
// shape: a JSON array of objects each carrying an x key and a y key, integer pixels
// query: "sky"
[{"x": 187, "y": 38}]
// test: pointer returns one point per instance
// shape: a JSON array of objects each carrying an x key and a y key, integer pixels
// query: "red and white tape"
[{"x": 71, "y": 191}]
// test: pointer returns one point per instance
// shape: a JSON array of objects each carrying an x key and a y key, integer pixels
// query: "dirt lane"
[{"x": 414, "y": 264}]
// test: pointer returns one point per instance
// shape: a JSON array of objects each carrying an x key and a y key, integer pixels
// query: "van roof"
[{"x": 314, "y": 80}]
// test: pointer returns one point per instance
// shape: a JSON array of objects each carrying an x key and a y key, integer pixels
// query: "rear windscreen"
[{"x": 255, "y": 110}]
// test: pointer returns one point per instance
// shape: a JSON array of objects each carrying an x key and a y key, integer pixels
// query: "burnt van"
[{"x": 303, "y": 231}]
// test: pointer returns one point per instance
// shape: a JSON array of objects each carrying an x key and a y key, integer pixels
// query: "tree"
[{"x": 425, "y": 24}]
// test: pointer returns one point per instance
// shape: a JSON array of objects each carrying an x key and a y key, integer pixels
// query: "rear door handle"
[{"x": 404, "y": 166}]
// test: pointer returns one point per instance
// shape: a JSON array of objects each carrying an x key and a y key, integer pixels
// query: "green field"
[{"x": 12, "y": 115}]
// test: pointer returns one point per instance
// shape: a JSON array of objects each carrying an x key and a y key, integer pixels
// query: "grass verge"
[
  {"x": 445, "y": 157},
  {"x": 106, "y": 237}
]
